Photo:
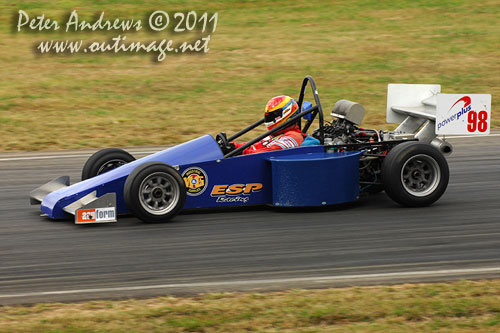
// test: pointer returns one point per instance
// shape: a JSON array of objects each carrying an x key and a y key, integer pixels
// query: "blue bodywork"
[
  {"x": 304, "y": 176},
  {"x": 198, "y": 150},
  {"x": 315, "y": 179}
]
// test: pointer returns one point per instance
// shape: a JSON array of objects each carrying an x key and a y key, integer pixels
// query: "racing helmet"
[{"x": 278, "y": 110}]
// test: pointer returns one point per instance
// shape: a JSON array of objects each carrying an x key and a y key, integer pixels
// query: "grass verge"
[
  {"x": 464, "y": 306},
  {"x": 260, "y": 49}
]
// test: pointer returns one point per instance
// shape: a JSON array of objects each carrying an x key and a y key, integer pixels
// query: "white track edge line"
[
  {"x": 468, "y": 136},
  {"x": 62, "y": 156},
  {"x": 262, "y": 281}
]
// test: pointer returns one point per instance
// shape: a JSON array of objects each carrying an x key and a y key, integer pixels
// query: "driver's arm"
[{"x": 288, "y": 140}]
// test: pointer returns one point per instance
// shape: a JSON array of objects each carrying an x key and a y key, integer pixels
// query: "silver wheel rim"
[
  {"x": 110, "y": 165},
  {"x": 420, "y": 175},
  {"x": 159, "y": 193}
]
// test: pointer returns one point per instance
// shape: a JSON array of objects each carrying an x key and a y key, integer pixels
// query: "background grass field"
[
  {"x": 464, "y": 306},
  {"x": 260, "y": 49}
]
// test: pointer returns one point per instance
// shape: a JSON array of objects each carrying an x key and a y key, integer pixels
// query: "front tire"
[
  {"x": 154, "y": 192},
  {"x": 105, "y": 160},
  {"x": 415, "y": 174}
]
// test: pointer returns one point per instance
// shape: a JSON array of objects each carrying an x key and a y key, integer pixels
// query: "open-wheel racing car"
[{"x": 341, "y": 161}]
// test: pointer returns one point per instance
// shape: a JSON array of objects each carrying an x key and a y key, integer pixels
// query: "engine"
[
  {"x": 344, "y": 133},
  {"x": 344, "y": 129}
]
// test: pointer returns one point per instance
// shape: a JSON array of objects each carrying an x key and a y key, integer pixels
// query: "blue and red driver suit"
[{"x": 290, "y": 137}]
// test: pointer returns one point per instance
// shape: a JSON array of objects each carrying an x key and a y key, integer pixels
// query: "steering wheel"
[
  {"x": 221, "y": 139},
  {"x": 223, "y": 143}
]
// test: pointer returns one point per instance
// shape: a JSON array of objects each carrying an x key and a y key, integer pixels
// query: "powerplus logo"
[{"x": 456, "y": 116}]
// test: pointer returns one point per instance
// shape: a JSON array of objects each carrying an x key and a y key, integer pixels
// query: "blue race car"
[{"x": 339, "y": 161}]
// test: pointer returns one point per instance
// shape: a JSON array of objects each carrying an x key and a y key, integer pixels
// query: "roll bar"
[
  {"x": 319, "y": 111},
  {"x": 314, "y": 111}
]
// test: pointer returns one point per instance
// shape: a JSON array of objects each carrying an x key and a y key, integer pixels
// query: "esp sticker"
[
  {"x": 95, "y": 215},
  {"x": 235, "y": 189},
  {"x": 463, "y": 114}
]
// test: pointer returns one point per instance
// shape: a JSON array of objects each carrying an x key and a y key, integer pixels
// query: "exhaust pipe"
[{"x": 444, "y": 147}]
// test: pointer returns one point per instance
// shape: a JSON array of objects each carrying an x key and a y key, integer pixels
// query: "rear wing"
[{"x": 423, "y": 112}]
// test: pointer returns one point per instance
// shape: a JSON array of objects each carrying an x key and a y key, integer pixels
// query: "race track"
[{"x": 370, "y": 241}]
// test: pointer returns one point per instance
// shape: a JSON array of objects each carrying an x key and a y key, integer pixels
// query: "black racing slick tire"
[
  {"x": 105, "y": 160},
  {"x": 415, "y": 174},
  {"x": 154, "y": 192}
]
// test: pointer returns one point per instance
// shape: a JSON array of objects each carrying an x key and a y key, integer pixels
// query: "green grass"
[
  {"x": 260, "y": 49},
  {"x": 465, "y": 306}
]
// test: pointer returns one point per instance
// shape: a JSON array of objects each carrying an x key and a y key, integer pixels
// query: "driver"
[{"x": 278, "y": 110}]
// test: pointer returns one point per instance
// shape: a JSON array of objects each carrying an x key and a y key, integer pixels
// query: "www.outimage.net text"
[{"x": 203, "y": 24}]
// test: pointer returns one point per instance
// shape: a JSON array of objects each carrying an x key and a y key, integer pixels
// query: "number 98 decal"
[{"x": 477, "y": 121}]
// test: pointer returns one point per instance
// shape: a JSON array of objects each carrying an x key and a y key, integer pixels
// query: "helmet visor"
[{"x": 272, "y": 117}]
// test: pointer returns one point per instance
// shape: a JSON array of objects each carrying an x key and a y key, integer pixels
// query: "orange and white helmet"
[{"x": 278, "y": 110}]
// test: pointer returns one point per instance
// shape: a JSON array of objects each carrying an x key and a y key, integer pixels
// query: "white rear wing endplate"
[{"x": 408, "y": 99}]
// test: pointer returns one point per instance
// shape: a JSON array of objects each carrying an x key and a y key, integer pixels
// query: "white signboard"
[{"x": 463, "y": 114}]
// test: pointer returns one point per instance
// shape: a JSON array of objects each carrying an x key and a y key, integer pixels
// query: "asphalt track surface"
[{"x": 371, "y": 241}]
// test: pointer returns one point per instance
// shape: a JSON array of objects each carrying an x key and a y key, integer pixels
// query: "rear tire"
[
  {"x": 154, "y": 192},
  {"x": 415, "y": 174}
]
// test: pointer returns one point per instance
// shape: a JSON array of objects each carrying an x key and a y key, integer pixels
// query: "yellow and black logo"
[{"x": 196, "y": 181}]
